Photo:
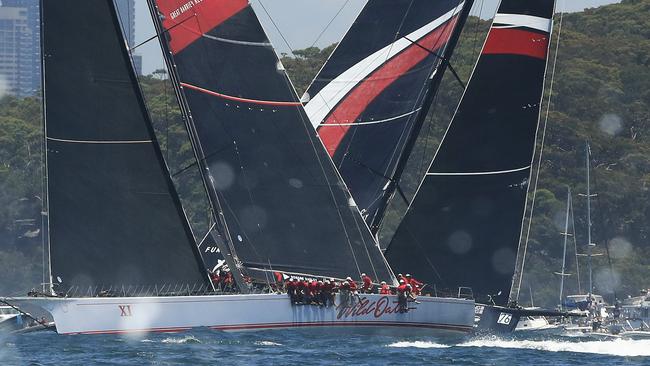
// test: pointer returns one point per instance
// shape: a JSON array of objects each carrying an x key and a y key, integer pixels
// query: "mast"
[
  {"x": 225, "y": 245},
  {"x": 566, "y": 235},
  {"x": 590, "y": 244},
  {"x": 45, "y": 217},
  {"x": 432, "y": 91}
]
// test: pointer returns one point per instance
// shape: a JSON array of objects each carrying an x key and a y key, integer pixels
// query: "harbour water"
[{"x": 319, "y": 347}]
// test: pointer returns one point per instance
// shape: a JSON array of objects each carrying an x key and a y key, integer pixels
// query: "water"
[{"x": 205, "y": 347}]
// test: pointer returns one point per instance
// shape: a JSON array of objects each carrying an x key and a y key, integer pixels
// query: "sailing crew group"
[{"x": 322, "y": 293}]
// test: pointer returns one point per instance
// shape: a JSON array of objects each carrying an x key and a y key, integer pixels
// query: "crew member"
[
  {"x": 326, "y": 295},
  {"x": 214, "y": 277},
  {"x": 384, "y": 289},
  {"x": 367, "y": 284},
  {"x": 415, "y": 284},
  {"x": 344, "y": 290},
  {"x": 402, "y": 296},
  {"x": 313, "y": 292},
  {"x": 228, "y": 281},
  {"x": 352, "y": 285},
  {"x": 291, "y": 290}
]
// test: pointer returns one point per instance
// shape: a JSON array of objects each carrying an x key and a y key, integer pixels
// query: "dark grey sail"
[
  {"x": 278, "y": 198},
  {"x": 115, "y": 219},
  {"x": 463, "y": 226}
]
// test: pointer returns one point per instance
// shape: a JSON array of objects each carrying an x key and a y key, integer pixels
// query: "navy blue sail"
[
  {"x": 370, "y": 99},
  {"x": 463, "y": 226},
  {"x": 278, "y": 200},
  {"x": 115, "y": 220}
]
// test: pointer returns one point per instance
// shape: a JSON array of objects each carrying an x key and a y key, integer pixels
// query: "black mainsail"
[
  {"x": 463, "y": 226},
  {"x": 279, "y": 201},
  {"x": 115, "y": 220},
  {"x": 371, "y": 97}
]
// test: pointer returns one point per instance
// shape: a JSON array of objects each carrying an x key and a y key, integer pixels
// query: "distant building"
[
  {"x": 20, "y": 49},
  {"x": 126, "y": 13},
  {"x": 20, "y": 44}
]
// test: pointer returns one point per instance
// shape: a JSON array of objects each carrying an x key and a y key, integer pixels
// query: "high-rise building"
[
  {"x": 20, "y": 50},
  {"x": 126, "y": 13}
]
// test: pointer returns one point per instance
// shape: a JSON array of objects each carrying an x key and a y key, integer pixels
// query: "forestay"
[
  {"x": 284, "y": 206},
  {"x": 115, "y": 221},
  {"x": 463, "y": 226}
]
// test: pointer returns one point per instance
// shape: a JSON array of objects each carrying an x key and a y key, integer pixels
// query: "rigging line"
[
  {"x": 370, "y": 122},
  {"x": 156, "y": 36},
  {"x": 238, "y": 99},
  {"x": 277, "y": 28},
  {"x": 370, "y": 169},
  {"x": 207, "y": 234},
  {"x": 541, "y": 152},
  {"x": 441, "y": 58},
  {"x": 426, "y": 257},
  {"x": 204, "y": 158},
  {"x": 330, "y": 23}
]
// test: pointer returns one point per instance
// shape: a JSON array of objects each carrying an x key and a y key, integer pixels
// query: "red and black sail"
[
  {"x": 369, "y": 100},
  {"x": 115, "y": 220},
  {"x": 463, "y": 226},
  {"x": 279, "y": 200}
]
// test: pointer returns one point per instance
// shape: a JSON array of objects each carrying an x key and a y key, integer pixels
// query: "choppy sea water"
[{"x": 314, "y": 347}]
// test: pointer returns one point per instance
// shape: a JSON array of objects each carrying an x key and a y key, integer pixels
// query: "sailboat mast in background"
[
  {"x": 566, "y": 235},
  {"x": 590, "y": 243}
]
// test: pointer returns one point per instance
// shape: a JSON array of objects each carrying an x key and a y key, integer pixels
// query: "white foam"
[
  {"x": 418, "y": 344},
  {"x": 267, "y": 343},
  {"x": 184, "y": 340},
  {"x": 616, "y": 347}
]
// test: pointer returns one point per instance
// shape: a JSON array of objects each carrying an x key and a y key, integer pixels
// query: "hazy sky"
[{"x": 302, "y": 21}]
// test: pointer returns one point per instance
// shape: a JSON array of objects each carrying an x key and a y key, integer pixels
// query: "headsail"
[
  {"x": 463, "y": 226},
  {"x": 371, "y": 97},
  {"x": 114, "y": 217},
  {"x": 280, "y": 202}
]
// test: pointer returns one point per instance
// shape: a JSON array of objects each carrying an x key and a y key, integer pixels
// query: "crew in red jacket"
[
  {"x": 313, "y": 291},
  {"x": 327, "y": 293},
  {"x": 353, "y": 285},
  {"x": 291, "y": 286},
  {"x": 402, "y": 296},
  {"x": 416, "y": 285},
  {"x": 367, "y": 284},
  {"x": 384, "y": 289}
]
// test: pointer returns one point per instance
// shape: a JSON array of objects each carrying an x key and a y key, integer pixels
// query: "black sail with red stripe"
[
  {"x": 370, "y": 98},
  {"x": 463, "y": 226},
  {"x": 280, "y": 203},
  {"x": 115, "y": 220}
]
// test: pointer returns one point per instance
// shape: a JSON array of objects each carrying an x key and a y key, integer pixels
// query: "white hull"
[
  {"x": 247, "y": 312},
  {"x": 636, "y": 334}
]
